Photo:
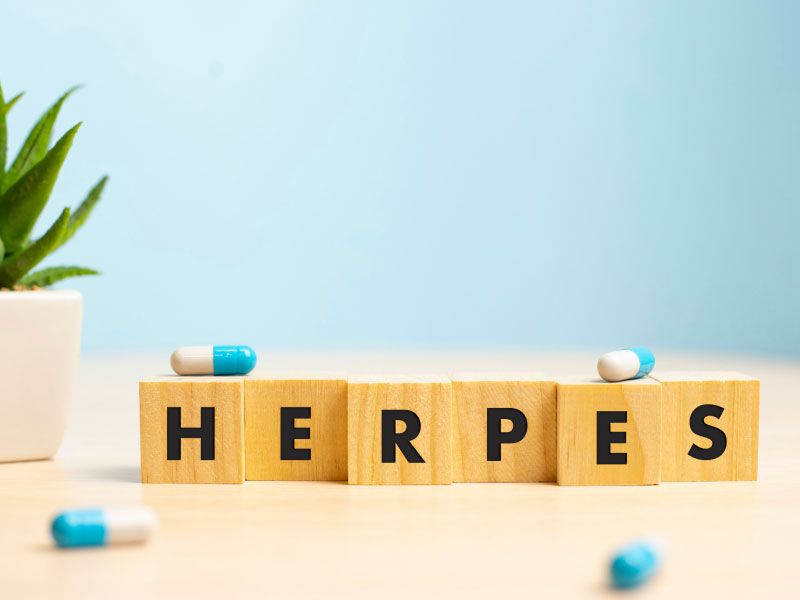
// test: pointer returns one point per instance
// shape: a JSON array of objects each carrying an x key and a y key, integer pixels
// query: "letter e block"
[
  {"x": 609, "y": 433},
  {"x": 399, "y": 430},
  {"x": 296, "y": 427},
  {"x": 192, "y": 429},
  {"x": 709, "y": 428},
  {"x": 504, "y": 428}
]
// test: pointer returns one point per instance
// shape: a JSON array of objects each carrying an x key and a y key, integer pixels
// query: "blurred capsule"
[
  {"x": 101, "y": 526},
  {"x": 634, "y": 564}
]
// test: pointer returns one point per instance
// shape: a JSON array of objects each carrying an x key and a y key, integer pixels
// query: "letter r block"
[
  {"x": 296, "y": 427},
  {"x": 609, "y": 433},
  {"x": 192, "y": 429},
  {"x": 709, "y": 429},
  {"x": 399, "y": 430},
  {"x": 504, "y": 428}
]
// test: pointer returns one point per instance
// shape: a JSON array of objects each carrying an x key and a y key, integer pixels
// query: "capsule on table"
[
  {"x": 103, "y": 526},
  {"x": 634, "y": 564},
  {"x": 630, "y": 363},
  {"x": 213, "y": 360}
]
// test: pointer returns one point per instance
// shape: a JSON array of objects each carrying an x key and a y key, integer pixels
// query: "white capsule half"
[
  {"x": 630, "y": 363},
  {"x": 129, "y": 525},
  {"x": 193, "y": 360}
]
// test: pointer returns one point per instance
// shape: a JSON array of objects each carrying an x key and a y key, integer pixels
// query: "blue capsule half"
[
  {"x": 79, "y": 528},
  {"x": 234, "y": 360},
  {"x": 634, "y": 564},
  {"x": 647, "y": 360}
]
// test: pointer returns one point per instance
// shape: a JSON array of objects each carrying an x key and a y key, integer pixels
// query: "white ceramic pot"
[{"x": 40, "y": 341}]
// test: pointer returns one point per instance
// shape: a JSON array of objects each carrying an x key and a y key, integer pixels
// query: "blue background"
[{"x": 417, "y": 174}]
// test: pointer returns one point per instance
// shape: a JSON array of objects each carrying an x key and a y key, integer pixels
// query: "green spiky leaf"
[
  {"x": 3, "y": 138},
  {"x": 22, "y": 203},
  {"x": 4, "y": 108},
  {"x": 37, "y": 142},
  {"x": 84, "y": 210},
  {"x": 13, "y": 101},
  {"x": 51, "y": 275},
  {"x": 13, "y": 268}
]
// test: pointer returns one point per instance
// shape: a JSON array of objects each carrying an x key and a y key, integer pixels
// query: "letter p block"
[
  {"x": 504, "y": 427},
  {"x": 192, "y": 429},
  {"x": 609, "y": 433},
  {"x": 399, "y": 430}
]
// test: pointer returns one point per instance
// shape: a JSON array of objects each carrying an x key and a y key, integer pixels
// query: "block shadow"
[{"x": 124, "y": 474}]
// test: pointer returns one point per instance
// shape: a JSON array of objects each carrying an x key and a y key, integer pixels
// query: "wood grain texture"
[
  {"x": 190, "y": 394},
  {"x": 430, "y": 398},
  {"x": 738, "y": 397},
  {"x": 326, "y": 397},
  {"x": 578, "y": 404},
  {"x": 533, "y": 458}
]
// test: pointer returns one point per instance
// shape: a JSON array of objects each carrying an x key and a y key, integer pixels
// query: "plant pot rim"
[{"x": 43, "y": 295}]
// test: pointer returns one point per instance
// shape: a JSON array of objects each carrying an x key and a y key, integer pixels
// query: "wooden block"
[
  {"x": 709, "y": 426},
  {"x": 504, "y": 427},
  {"x": 296, "y": 427},
  {"x": 192, "y": 429},
  {"x": 399, "y": 430},
  {"x": 609, "y": 433}
]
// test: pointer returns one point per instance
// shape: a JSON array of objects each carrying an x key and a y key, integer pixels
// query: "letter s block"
[
  {"x": 296, "y": 427},
  {"x": 399, "y": 430},
  {"x": 709, "y": 429},
  {"x": 504, "y": 428},
  {"x": 192, "y": 429},
  {"x": 609, "y": 433}
]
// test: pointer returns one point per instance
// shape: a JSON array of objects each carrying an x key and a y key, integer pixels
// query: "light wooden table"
[{"x": 286, "y": 539}]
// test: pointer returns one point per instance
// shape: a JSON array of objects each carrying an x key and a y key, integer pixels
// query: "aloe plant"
[{"x": 25, "y": 187}]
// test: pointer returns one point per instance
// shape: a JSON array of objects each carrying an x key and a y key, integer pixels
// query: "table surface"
[{"x": 276, "y": 539}]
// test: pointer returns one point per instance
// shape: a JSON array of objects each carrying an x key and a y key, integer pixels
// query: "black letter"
[
  {"x": 606, "y": 437},
  {"x": 719, "y": 440},
  {"x": 175, "y": 433},
  {"x": 290, "y": 433},
  {"x": 495, "y": 437},
  {"x": 390, "y": 439}
]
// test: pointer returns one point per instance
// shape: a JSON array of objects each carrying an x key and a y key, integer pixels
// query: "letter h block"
[
  {"x": 609, "y": 433},
  {"x": 709, "y": 426},
  {"x": 399, "y": 430},
  {"x": 192, "y": 429}
]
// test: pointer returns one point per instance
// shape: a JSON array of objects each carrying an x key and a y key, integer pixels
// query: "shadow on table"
[
  {"x": 53, "y": 549},
  {"x": 111, "y": 473}
]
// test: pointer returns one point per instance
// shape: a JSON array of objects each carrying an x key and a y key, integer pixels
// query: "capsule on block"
[
  {"x": 630, "y": 363},
  {"x": 101, "y": 527},
  {"x": 213, "y": 360}
]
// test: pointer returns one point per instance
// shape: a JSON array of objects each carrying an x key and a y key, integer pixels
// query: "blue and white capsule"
[
  {"x": 213, "y": 360},
  {"x": 103, "y": 526},
  {"x": 630, "y": 363},
  {"x": 635, "y": 563}
]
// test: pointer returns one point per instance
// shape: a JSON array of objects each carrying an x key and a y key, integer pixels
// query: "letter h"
[{"x": 175, "y": 433}]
